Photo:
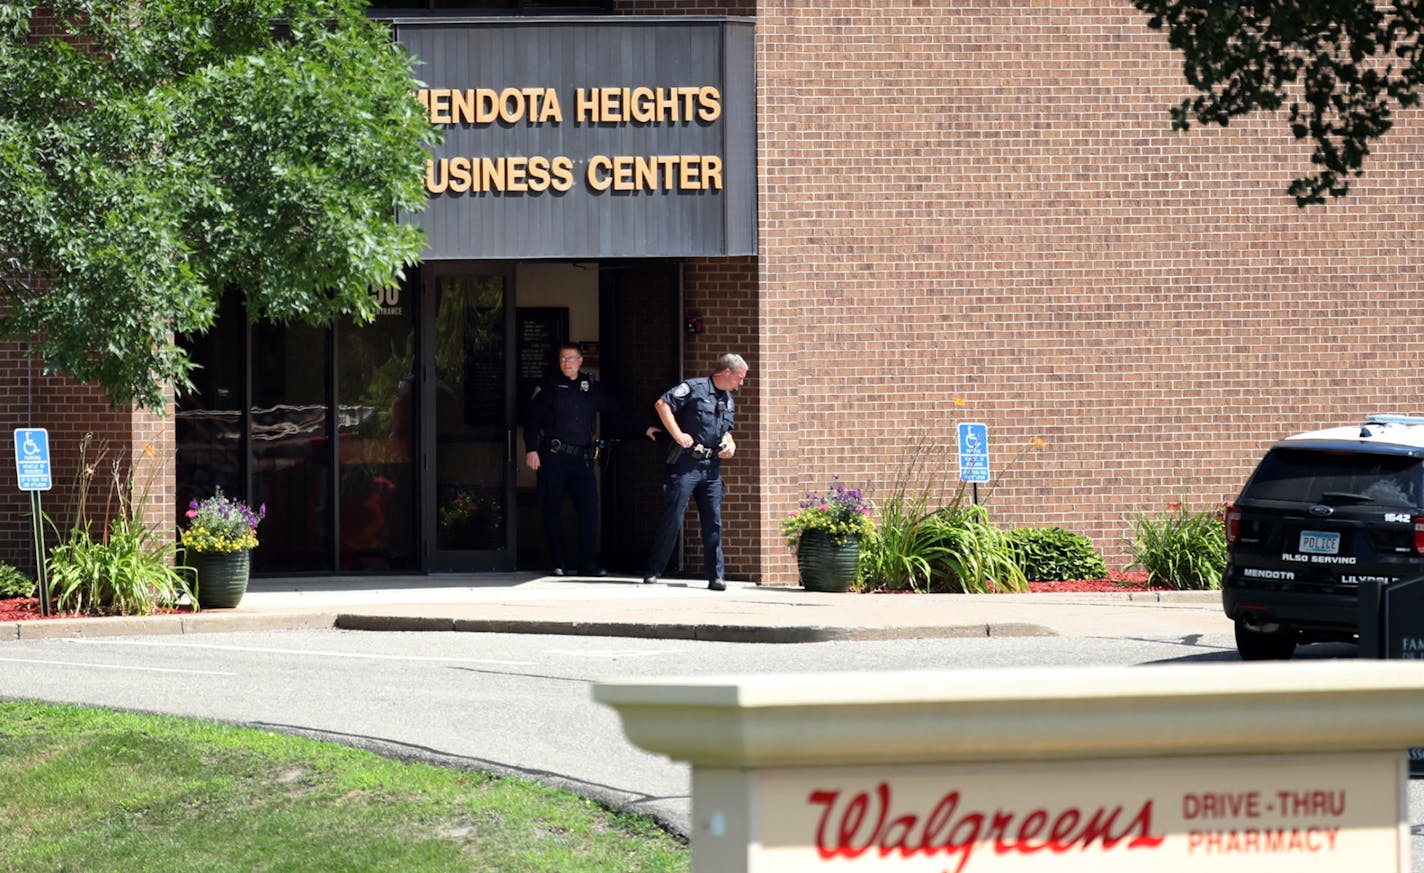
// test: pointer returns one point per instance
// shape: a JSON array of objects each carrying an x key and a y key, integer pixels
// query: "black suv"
[{"x": 1323, "y": 512}]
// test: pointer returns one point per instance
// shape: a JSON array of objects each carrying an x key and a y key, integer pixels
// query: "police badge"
[{"x": 583, "y": 385}]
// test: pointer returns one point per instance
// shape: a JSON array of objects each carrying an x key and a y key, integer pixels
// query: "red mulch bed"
[
  {"x": 1115, "y": 581},
  {"x": 28, "y": 609}
]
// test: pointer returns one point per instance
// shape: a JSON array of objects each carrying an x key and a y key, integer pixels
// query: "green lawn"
[{"x": 94, "y": 790}]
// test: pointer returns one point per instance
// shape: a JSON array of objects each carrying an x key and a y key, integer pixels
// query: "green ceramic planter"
[
  {"x": 824, "y": 565},
  {"x": 222, "y": 577}
]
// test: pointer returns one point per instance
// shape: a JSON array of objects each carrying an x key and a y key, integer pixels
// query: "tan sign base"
[{"x": 1273, "y": 767}]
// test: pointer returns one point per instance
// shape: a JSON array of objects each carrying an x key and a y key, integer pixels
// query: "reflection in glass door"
[
  {"x": 375, "y": 425},
  {"x": 289, "y": 427},
  {"x": 470, "y": 413}
]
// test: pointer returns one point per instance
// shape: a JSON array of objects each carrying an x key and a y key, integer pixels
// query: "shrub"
[
  {"x": 976, "y": 557},
  {"x": 13, "y": 583},
  {"x": 902, "y": 551},
  {"x": 930, "y": 538},
  {"x": 1052, "y": 554},
  {"x": 1182, "y": 549},
  {"x": 128, "y": 569}
]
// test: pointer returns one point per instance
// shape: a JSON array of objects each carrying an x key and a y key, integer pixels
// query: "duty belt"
[
  {"x": 560, "y": 447},
  {"x": 698, "y": 451}
]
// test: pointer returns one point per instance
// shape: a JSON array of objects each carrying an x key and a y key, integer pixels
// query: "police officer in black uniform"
[
  {"x": 559, "y": 444},
  {"x": 698, "y": 415}
]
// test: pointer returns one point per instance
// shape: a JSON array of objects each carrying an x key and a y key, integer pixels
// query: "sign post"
[
  {"x": 33, "y": 471},
  {"x": 974, "y": 454}
]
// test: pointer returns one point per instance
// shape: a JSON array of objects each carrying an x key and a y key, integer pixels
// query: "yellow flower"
[{"x": 958, "y": 401}]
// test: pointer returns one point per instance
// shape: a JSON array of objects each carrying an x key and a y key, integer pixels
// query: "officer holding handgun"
[
  {"x": 698, "y": 415},
  {"x": 559, "y": 444}
]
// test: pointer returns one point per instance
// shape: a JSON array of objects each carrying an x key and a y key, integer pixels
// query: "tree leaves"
[
  {"x": 169, "y": 150},
  {"x": 1336, "y": 66}
]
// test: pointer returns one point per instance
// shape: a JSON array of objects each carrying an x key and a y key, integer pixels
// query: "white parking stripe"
[
  {"x": 316, "y": 652},
  {"x": 611, "y": 653},
  {"x": 115, "y": 667}
]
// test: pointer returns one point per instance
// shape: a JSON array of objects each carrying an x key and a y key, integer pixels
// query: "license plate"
[{"x": 1318, "y": 542}]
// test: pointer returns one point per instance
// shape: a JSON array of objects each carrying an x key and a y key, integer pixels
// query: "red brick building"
[{"x": 972, "y": 201}]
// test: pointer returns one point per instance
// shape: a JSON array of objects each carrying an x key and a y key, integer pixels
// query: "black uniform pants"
[
  {"x": 686, "y": 480},
  {"x": 562, "y": 475}
]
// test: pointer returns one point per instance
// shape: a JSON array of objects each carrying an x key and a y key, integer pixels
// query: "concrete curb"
[
  {"x": 721, "y": 633},
  {"x": 167, "y": 625},
  {"x": 161, "y": 625},
  {"x": 1213, "y": 596}
]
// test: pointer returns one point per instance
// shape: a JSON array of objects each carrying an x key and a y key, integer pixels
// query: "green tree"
[
  {"x": 164, "y": 151},
  {"x": 1337, "y": 66}
]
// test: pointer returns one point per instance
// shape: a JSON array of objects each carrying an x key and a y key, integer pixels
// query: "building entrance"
[
  {"x": 469, "y": 421},
  {"x": 396, "y": 446}
]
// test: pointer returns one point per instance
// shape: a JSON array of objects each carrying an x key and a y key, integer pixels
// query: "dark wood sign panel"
[{"x": 683, "y": 214}]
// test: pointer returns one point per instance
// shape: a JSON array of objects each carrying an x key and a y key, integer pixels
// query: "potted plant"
[
  {"x": 826, "y": 532},
  {"x": 218, "y": 537}
]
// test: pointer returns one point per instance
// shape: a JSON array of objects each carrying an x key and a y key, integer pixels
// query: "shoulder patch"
[{"x": 682, "y": 390}]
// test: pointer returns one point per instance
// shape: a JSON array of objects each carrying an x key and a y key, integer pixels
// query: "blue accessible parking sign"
[
  {"x": 973, "y": 452},
  {"x": 32, "y": 458}
]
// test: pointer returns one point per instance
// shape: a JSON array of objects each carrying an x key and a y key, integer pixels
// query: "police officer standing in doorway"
[
  {"x": 559, "y": 445},
  {"x": 698, "y": 415}
]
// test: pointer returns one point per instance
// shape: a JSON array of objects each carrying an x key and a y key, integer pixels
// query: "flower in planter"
[
  {"x": 221, "y": 524},
  {"x": 841, "y": 512}
]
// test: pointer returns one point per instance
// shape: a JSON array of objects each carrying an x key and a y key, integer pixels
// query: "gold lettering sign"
[{"x": 602, "y": 106}]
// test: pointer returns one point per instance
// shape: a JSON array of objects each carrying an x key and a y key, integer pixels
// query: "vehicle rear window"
[{"x": 1316, "y": 476}]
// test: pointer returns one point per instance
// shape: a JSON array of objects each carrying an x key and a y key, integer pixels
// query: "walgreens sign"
[{"x": 1253, "y": 814}]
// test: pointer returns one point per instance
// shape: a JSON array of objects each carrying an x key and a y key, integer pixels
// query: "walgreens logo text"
[{"x": 854, "y": 824}]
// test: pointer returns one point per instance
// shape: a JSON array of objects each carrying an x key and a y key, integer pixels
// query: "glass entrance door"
[{"x": 469, "y": 423}]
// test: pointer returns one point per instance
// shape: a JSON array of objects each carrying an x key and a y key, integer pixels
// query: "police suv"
[{"x": 1323, "y": 512}]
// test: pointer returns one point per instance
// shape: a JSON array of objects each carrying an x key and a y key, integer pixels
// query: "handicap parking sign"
[
  {"x": 973, "y": 452},
  {"x": 32, "y": 458}
]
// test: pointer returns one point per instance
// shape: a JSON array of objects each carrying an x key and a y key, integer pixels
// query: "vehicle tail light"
[
  {"x": 1232, "y": 520},
  {"x": 1419, "y": 535}
]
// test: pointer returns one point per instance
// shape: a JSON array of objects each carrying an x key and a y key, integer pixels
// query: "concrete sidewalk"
[{"x": 670, "y": 609}]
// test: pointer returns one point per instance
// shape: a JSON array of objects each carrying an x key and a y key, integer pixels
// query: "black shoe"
[
  {"x": 648, "y": 580},
  {"x": 716, "y": 585},
  {"x": 593, "y": 571},
  {"x": 558, "y": 571}
]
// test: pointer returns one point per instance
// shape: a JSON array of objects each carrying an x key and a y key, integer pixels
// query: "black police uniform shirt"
[
  {"x": 566, "y": 410},
  {"x": 701, "y": 410}
]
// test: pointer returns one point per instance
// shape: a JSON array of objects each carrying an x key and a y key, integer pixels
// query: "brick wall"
[
  {"x": 723, "y": 293},
  {"x": 984, "y": 200},
  {"x": 71, "y": 413}
]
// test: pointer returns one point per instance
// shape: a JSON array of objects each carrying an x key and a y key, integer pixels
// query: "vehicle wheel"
[{"x": 1254, "y": 645}]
